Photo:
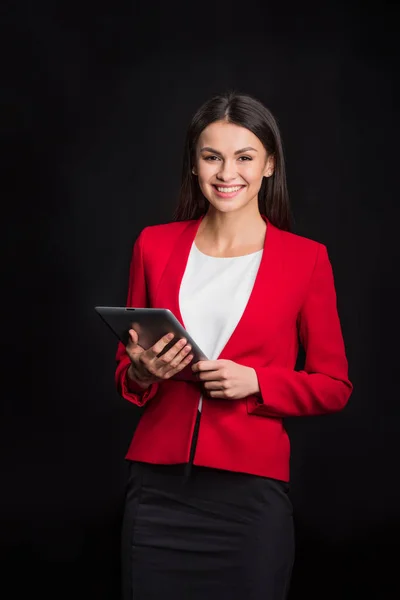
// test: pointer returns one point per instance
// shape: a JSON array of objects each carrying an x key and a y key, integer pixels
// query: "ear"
[
  {"x": 194, "y": 171},
  {"x": 269, "y": 166}
]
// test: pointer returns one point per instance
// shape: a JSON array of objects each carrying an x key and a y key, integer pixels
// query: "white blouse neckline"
[{"x": 251, "y": 254}]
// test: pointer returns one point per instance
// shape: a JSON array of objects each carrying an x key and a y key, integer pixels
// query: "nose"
[{"x": 227, "y": 172}]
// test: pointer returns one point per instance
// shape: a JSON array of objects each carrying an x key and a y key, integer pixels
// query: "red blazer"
[{"x": 293, "y": 297}]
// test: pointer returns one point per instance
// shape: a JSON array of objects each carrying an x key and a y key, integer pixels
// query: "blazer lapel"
[
  {"x": 168, "y": 289},
  {"x": 257, "y": 322}
]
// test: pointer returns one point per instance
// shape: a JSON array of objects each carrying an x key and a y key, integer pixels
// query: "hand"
[
  {"x": 148, "y": 367},
  {"x": 226, "y": 379}
]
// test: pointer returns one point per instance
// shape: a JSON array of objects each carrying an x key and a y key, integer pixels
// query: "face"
[{"x": 230, "y": 165}]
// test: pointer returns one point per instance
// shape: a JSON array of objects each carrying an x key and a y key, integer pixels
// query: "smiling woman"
[
  {"x": 207, "y": 511},
  {"x": 240, "y": 137}
]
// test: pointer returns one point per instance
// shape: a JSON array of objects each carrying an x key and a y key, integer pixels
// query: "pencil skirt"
[{"x": 211, "y": 535}]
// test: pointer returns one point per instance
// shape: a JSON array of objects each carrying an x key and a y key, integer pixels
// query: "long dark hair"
[{"x": 246, "y": 111}]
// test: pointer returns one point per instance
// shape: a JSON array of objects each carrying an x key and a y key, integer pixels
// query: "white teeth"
[{"x": 228, "y": 190}]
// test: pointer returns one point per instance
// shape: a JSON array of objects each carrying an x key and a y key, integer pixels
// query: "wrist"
[
  {"x": 131, "y": 378},
  {"x": 256, "y": 385}
]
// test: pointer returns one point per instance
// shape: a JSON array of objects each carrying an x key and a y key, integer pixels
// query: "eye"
[
  {"x": 211, "y": 158},
  {"x": 244, "y": 158}
]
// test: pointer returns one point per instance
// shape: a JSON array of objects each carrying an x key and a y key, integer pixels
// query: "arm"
[
  {"x": 323, "y": 386},
  {"x": 137, "y": 296}
]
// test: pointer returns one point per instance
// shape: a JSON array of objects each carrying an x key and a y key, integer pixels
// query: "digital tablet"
[{"x": 151, "y": 324}]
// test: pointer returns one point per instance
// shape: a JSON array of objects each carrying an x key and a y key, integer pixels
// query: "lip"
[{"x": 227, "y": 194}]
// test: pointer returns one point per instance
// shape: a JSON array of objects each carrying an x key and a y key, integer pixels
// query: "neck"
[{"x": 237, "y": 228}]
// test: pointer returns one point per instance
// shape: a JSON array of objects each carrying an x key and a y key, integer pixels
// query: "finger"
[
  {"x": 214, "y": 386},
  {"x": 184, "y": 363},
  {"x": 206, "y": 365},
  {"x": 167, "y": 356},
  {"x": 159, "y": 346},
  {"x": 164, "y": 366},
  {"x": 217, "y": 394},
  {"x": 209, "y": 376},
  {"x": 134, "y": 338},
  {"x": 133, "y": 349},
  {"x": 176, "y": 359}
]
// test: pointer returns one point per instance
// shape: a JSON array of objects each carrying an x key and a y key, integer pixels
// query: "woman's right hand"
[{"x": 148, "y": 367}]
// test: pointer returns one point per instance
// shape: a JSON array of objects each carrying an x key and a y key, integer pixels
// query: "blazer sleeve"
[
  {"x": 137, "y": 297},
  {"x": 323, "y": 386}
]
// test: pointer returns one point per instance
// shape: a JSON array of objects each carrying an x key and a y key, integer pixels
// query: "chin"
[{"x": 226, "y": 206}]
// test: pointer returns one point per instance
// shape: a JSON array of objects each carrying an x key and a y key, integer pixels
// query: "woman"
[{"x": 207, "y": 510}]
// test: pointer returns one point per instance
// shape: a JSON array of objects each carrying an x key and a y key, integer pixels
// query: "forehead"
[{"x": 228, "y": 137}]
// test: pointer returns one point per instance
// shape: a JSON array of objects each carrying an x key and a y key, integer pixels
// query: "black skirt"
[{"x": 212, "y": 534}]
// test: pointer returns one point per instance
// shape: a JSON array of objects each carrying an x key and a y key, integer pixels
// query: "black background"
[{"x": 97, "y": 100}]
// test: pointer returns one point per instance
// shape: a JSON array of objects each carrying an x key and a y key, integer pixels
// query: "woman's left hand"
[{"x": 226, "y": 379}]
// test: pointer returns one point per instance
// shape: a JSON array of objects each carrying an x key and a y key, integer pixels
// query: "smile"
[{"x": 228, "y": 191}]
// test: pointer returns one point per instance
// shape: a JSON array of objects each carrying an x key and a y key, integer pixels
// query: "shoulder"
[
  {"x": 163, "y": 230},
  {"x": 301, "y": 246},
  {"x": 157, "y": 241},
  {"x": 304, "y": 260},
  {"x": 302, "y": 255}
]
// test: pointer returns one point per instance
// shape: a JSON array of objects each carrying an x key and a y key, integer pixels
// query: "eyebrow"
[{"x": 208, "y": 149}]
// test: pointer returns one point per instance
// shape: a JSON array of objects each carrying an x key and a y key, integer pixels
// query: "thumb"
[{"x": 134, "y": 338}]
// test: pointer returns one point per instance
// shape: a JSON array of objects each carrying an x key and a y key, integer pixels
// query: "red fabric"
[{"x": 293, "y": 297}]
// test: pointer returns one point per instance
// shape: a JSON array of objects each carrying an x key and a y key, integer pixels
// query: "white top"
[{"x": 213, "y": 295}]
